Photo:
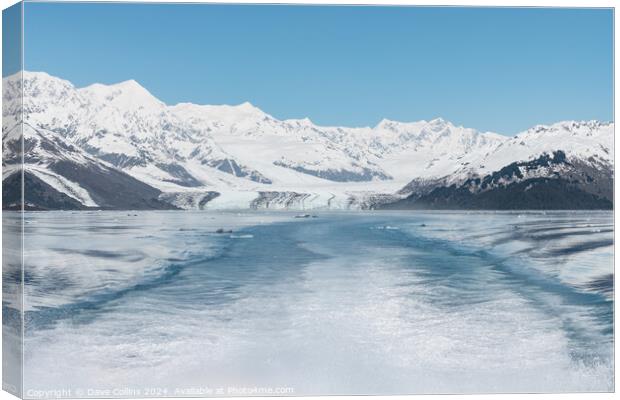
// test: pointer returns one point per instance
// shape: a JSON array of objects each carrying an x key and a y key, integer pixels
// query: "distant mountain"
[
  {"x": 568, "y": 165},
  {"x": 548, "y": 182},
  {"x": 60, "y": 175},
  {"x": 117, "y": 146}
]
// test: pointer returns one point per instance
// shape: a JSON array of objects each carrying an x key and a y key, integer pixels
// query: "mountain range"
[{"x": 119, "y": 147}]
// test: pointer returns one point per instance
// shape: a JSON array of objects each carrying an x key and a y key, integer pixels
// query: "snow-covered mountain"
[{"x": 221, "y": 156}]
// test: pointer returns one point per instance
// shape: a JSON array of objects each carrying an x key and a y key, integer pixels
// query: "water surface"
[{"x": 345, "y": 303}]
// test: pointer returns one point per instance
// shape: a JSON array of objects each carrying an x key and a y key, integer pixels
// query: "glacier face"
[{"x": 221, "y": 156}]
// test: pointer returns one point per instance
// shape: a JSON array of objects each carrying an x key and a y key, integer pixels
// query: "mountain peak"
[
  {"x": 387, "y": 124},
  {"x": 248, "y": 107},
  {"x": 130, "y": 84},
  {"x": 133, "y": 87},
  {"x": 246, "y": 104},
  {"x": 439, "y": 122},
  {"x": 570, "y": 126},
  {"x": 126, "y": 95},
  {"x": 36, "y": 74},
  {"x": 38, "y": 86},
  {"x": 40, "y": 79}
]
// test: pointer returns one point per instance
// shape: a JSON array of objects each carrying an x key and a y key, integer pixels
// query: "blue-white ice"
[{"x": 340, "y": 304}]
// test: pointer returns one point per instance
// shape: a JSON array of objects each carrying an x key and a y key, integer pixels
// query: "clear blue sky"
[{"x": 499, "y": 69}]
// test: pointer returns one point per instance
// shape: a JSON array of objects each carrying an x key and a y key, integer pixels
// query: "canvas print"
[{"x": 206, "y": 200}]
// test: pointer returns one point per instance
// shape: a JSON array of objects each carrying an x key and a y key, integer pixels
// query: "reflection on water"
[{"x": 347, "y": 303}]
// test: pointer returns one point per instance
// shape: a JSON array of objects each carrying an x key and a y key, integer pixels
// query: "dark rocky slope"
[{"x": 550, "y": 182}]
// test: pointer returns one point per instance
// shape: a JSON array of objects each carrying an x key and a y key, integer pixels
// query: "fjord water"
[{"x": 345, "y": 303}]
